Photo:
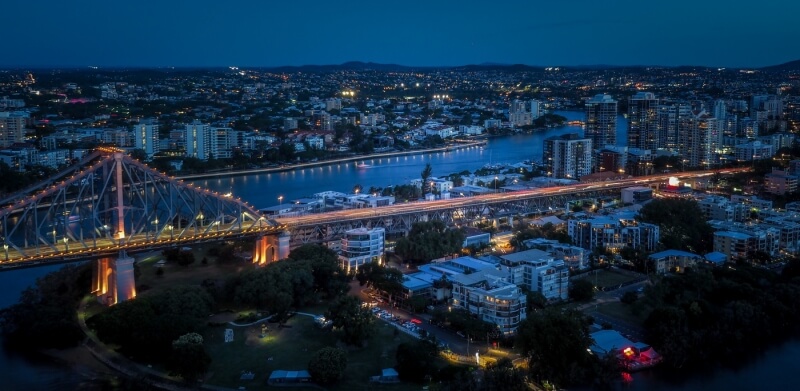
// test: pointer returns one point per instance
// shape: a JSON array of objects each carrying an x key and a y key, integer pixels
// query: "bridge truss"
[{"x": 117, "y": 203}]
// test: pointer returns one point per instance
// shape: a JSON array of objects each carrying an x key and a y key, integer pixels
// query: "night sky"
[{"x": 144, "y": 33}]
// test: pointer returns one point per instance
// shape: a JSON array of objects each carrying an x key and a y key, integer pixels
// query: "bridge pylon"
[
  {"x": 270, "y": 248},
  {"x": 113, "y": 279}
]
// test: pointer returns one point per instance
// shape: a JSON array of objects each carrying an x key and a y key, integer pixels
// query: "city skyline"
[{"x": 447, "y": 33}]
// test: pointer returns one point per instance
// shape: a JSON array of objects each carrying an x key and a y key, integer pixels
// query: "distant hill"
[
  {"x": 787, "y": 66},
  {"x": 350, "y": 65}
]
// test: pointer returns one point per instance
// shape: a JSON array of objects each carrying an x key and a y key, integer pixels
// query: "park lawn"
[
  {"x": 609, "y": 277},
  {"x": 622, "y": 311},
  {"x": 192, "y": 274},
  {"x": 290, "y": 348}
]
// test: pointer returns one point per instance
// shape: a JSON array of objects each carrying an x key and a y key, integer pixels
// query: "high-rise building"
[
  {"x": 568, "y": 156},
  {"x": 518, "y": 115},
  {"x": 12, "y": 129},
  {"x": 699, "y": 140},
  {"x": 196, "y": 137},
  {"x": 536, "y": 109},
  {"x": 145, "y": 137},
  {"x": 601, "y": 120},
  {"x": 669, "y": 115},
  {"x": 643, "y": 122}
]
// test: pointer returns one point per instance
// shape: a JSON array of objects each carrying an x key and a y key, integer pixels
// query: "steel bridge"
[
  {"x": 399, "y": 218},
  {"x": 110, "y": 204}
]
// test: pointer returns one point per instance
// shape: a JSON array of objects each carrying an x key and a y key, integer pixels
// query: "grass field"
[
  {"x": 609, "y": 277},
  {"x": 192, "y": 274},
  {"x": 290, "y": 348},
  {"x": 622, "y": 311}
]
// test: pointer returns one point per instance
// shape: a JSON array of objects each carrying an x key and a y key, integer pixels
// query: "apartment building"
[{"x": 488, "y": 295}]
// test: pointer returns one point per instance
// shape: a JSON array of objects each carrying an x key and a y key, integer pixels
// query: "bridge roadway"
[
  {"x": 101, "y": 247},
  {"x": 331, "y": 225},
  {"x": 324, "y": 226}
]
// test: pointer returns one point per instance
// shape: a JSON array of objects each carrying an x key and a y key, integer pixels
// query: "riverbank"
[{"x": 332, "y": 161}]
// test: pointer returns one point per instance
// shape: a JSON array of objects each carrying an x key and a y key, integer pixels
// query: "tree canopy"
[
  {"x": 146, "y": 327},
  {"x": 382, "y": 278},
  {"x": 45, "y": 316},
  {"x": 189, "y": 358},
  {"x": 327, "y": 365},
  {"x": 712, "y": 315},
  {"x": 555, "y": 343},
  {"x": 682, "y": 225},
  {"x": 355, "y": 321},
  {"x": 429, "y": 240}
]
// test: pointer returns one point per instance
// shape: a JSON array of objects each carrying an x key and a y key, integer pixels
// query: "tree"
[
  {"x": 385, "y": 279},
  {"x": 45, "y": 316},
  {"x": 416, "y": 360},
  {"x": 581, "y": 290},
  {"x": 425, "y": 175},
  {"x": 682, "y": 224},
  {"x": 429, "y": 240},
  {"x": 535, "y": 301},
  {"x": 356, "y": 321},
  {"x": 327, "y": 365},
  {"x": 503, "y": 376},
  {"x": 330, "y": 280},
  {"x": 555, "y": 343},
  {"x": 145, "y": 327},
  {"x": 189, "y": 358},
  {"x": 629, "y": 297}
]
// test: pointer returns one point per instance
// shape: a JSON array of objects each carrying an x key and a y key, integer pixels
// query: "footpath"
[{"x": 129, "y": 368}]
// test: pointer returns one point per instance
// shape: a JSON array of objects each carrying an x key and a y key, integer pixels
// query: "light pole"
[
  {"x": 66, "y": 244},
  {"x": 280, "y": 200},
  {"x": 495, "y": 183},
  {"x": 5, "y": 247}
]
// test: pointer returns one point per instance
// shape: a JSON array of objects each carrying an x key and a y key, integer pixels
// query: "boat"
[{"x": 363, "y": 165}]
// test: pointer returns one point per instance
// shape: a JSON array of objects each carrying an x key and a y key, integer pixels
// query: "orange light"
[{"x": 628, "y": 352}]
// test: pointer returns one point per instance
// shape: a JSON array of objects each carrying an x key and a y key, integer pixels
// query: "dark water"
[
  {"x": 262, "y": 190},
  {"x": 27, "y": 370}
]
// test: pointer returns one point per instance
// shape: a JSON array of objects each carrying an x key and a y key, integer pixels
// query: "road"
[{"x": 411, "y": 207}]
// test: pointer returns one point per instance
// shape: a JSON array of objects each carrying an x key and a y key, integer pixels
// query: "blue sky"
[{"x": 123, "y": 33}]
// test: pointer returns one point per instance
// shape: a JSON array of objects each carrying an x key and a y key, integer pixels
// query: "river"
[
  {"x": 772, "y": 370},
  {"x": 263, "y": 189}
]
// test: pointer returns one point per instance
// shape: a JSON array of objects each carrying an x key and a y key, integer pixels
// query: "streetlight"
[
  {"x": 5, "y": 247},
  {"x": 280, "y": 200},
  {"x": 495, "y": 183},
  {"x": 66, "y": 243}
]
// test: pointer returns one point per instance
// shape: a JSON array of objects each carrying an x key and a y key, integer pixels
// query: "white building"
[
  {"x": 538, "y": 271},
  {"x": 197, "y": 140},
  {"x": 567, "y": 156},
  {"x": 489, "y": 295},
  {"x": 145, "y": 137},
  {"x": 360, "y": 246}
]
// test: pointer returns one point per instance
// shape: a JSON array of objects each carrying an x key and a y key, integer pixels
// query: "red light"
[{"x": 416, "y": 321}]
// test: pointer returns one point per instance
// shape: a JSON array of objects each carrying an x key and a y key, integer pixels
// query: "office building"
[{"x": 361, "y": 246}]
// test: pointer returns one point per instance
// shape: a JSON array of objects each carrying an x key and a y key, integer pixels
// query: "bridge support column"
[
  {"x": 271, "y": 248},
  {"x": 113, "y": 279}
]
